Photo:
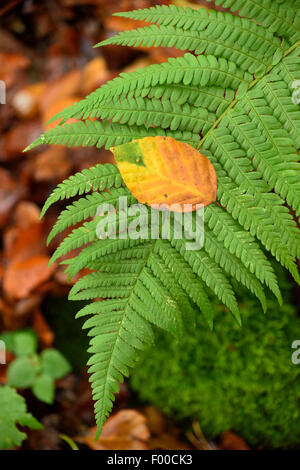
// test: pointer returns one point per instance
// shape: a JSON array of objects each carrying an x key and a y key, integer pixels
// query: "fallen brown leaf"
[
  {"x": 94, "y": 74},
  {"x": 125, "y": 430}
]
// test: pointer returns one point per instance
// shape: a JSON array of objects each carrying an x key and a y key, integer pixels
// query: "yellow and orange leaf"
[{"x": 161, "y": 170}]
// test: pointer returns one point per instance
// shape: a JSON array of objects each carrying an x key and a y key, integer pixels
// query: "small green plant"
[
  {"x": 13, "y": 413},
  {"x": 231, "y": 97},
  {"x": 32, "y": 370}
]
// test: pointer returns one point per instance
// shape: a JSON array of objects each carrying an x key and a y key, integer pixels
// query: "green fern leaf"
[
  {"x": 271, "y": 15},
  {"x": 99, "y": 134},
  {"x": 201, "y": 71},
  {"x": 217, "y": 33},
  {"x": 95, "y": 178}
]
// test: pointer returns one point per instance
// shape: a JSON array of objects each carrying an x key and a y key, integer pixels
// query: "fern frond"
[
  {"x": 166, "y": 15},
  {"x": 288, "y": 68},
  {"x": 278, "y": 97},
  {"x": 96, "y": 250},
  {"x": 118, "y": 328},
  {"x": 167, "y": 278},
  {"x": 95, "y": 178},
  {"x": 263, "y": 151},
  {"x": 78, "y": 237}
]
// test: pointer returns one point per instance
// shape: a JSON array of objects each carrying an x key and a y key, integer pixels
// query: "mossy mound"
[{"x": 234, "y": 378}]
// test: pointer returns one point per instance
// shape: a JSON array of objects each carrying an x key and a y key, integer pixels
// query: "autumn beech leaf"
[{"x": 161, "y": 170}]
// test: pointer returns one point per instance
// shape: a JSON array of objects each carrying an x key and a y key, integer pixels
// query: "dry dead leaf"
[
  {"x": 10, "y": 192},
  {"x": 161, "y": 170},
  {"x": 14, "y": 141},
  {"x": 137, "y": 64},
  {"x": 42, "y": 329},
  {"x": 155, "y": 420},
  {"x": 125, "y": 430},
  {"x": 11, "y": 63},
  {"x": 25, "y": 255},
  {"x": 166, "y": 441},
  {"x": 52, "y": 165},
  {"x": 22, "y": 242}
]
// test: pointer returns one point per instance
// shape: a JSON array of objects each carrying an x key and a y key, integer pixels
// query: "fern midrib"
[
  {"x": 251, "y": 85},
  {"x": 116, "y": 83},
  {"x": 236, "y": 26}
]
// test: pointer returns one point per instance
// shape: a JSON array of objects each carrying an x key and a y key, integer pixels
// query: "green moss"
[
  {"x": 234, "y": 378},
  {"x": 70, "y": 339}
]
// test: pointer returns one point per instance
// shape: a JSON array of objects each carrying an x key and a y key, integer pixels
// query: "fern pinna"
[{"x": 231, "y": 96}]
